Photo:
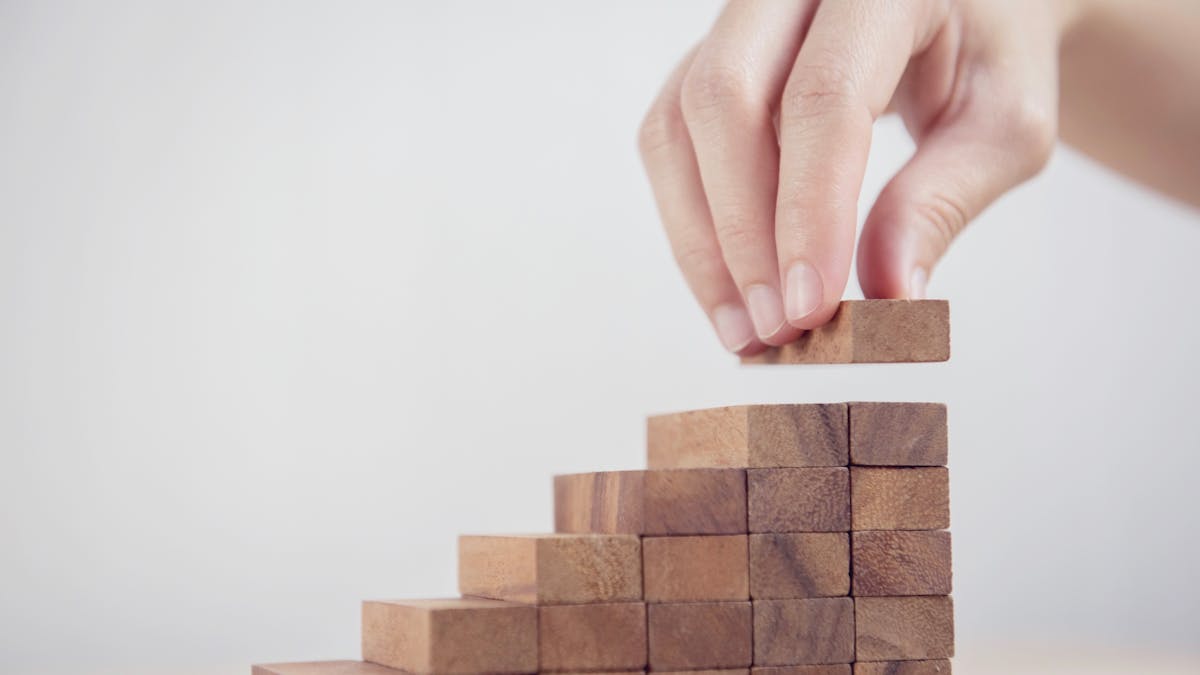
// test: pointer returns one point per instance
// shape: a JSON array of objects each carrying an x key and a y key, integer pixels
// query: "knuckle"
[
  {"x": 940, "y": 219},
  {"x": 815, "y": 89},
  {"x": 697, "y": 260},
  {"x": 661, "y": 128},
  {"x": 716, "y": 92},
  {"x": 1032, "y": 128},
  {"x": 737, "y": 234}
]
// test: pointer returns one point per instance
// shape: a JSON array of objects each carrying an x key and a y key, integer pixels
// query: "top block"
[{"x": 871, "y": 331}]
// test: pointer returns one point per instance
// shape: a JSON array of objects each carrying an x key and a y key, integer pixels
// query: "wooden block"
[
  {"x": 937, "y": 667},
  {"x": 833, "y": 669},
  {"x": 891, "y": 498},
  {"x": 692, "y": 569},
  {"x": 323, "y": 668},
  {"x": 733, "y": 671},
  {"x": 898, "y": 434},
  {"x": 463, "y": 637},
  {"x": 888, "y": 562},
  {"x": 592, "y": 637},
  {"x": 551, "y": 569},
  {"x": 700, "y": 635},
  {"x": 871, "y": 331},
  {"x": 656, "y": 502},
  {"x": 799, "y": 500},
  {"x": 804, "y": 631},
  {"x": 750, "y": 436},
  {"x": 904, "y": 629},
  {"x": 799, "y": 565}
]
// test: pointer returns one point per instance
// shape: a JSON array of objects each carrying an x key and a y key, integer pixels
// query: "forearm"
[{"x": 1130, "y": 90}]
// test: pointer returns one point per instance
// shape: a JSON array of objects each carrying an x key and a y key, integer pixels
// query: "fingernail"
[
  {"x": 804, "y": 291},
  {"x": 766, "y": 309},
  {"x": 916, "y": 285},
  {"x": 733, "y": 327}
]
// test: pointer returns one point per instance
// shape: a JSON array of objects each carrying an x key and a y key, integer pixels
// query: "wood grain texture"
[
  {"x": 889, "y": 562},
  {"x": 696, "y": 569},
  {"x": 904, "y": 628},
  {"x": 808, "y": 631},
  {"x": 700, "y": 635},
  {"x": 898, "y": 434},
  {"x": 458, "y": 636},
  {"x": 936, "y": 667},
  {"x": 799, "y": 565},
  {"x": 871, "y": 331},
  {"x": 728, "y": 671},
  {"x": 893, "y": 498},
  {"x": 592, "y": 637},
  {"x": 833, "y": 669},
  {"x": 750, "y": 436},
  {"x": 551, "y": 569},
  {"x": 323, "y": 668},
  {"x": 799, "y": 500},
  {"x": 654, "y": 502}
]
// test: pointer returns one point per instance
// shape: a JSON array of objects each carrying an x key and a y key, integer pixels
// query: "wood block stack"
[{"x": 804, "y": 539}]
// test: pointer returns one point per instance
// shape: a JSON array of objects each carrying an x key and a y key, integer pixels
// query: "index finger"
[{"x": 844, "y": 76}]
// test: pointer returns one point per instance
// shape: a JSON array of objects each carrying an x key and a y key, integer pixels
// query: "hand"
[{"x": 757, "y": 145}]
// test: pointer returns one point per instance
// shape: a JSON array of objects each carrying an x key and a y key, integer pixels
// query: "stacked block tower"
[{"x": 806, "y": 539}]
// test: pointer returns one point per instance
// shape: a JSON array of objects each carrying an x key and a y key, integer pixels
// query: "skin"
[{"x": 757, "y": 144}]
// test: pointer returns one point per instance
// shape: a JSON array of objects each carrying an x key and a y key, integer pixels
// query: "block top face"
[
  {"x": 789, "y": 435},
  {"x": 871, "y": 331}
]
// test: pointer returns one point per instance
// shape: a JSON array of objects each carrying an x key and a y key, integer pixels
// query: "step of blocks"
[
  {"x": 653, "y": 502},
  {"x": 551, "y": 569},
  {"x": 752, "y": 436}
]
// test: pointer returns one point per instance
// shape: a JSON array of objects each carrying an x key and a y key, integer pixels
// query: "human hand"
[{"x": 757, "y": 145}]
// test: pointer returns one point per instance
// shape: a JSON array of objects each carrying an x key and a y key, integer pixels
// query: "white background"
[{"x": 291, "y": 294}]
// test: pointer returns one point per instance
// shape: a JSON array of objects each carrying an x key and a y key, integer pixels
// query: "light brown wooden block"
[
  {"x": 833, "y": 669},
  {"x": 904, "y": 629},
  {"x": 888, "y": 562},
  {"x": 700, "y": 635},
  {"x": 898, "y": 434},
  {"x": 893, "y": 498},
  {"x": 323, "y": 668},
  {"x": 692, "y": 569},
  {"x": 733, "y": 671},
  {"x": 799, "y": 500},
  {"x": 937, "y": 667},
  {"x": 463, "y": 637},
  {"x": 799, "y": 565},
  {"x": 592, "y": 637},
  {"x": 809, "y": 631},
  {"x": 750, "y": 436},
  {"x": 551, "y": 569},
  {"x": 871, "y": 331},
  {"x": 656, "y": 502}
]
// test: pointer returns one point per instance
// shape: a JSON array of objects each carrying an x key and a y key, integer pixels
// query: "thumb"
[{"x": 957, "y": 170}]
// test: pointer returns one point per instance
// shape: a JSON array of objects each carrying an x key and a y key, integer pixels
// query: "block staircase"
[{"x": 805, "y": 539}]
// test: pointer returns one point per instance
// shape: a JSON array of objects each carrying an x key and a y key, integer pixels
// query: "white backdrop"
[{"x": 293, "y": 293}]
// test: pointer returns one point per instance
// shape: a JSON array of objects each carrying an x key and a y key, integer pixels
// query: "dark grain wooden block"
[
  {"x": 323, "y": 668},
  {"x": 894, "y": 498},
  {"x": 750, "y": 436},
  {"x": 898, "y": 434},
  {"x": 700, "y": 635},
  {"x": 696, "y": 569},
  {"x": 551, "y": 569},
  {"x": 888, "y": 562},
  {"x": 592, "y": 637},
  {"x": 656, "y": 502},
  {"x": 464, "y": 637},
  {"x": 799, "y": 500},
  {"x": 808, "y": 631},
  {"x": 871, "y": 331},
  {"x": 799, "y": 565},
  {"x": 937, "y": 667},
  {"x": 904, "y": 628}
]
